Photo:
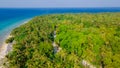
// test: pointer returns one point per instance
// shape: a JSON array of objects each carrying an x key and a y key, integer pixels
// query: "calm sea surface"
[{"x": 13, "y": 17}]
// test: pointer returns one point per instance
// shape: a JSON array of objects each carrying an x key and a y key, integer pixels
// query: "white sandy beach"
[{"x": 5, "y": 48}]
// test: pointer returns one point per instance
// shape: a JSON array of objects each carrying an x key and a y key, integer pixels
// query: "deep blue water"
[{"x": 11, "y": 17}]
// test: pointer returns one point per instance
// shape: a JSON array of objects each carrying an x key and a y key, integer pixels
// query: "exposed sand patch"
[{"x": 5, "y": 48}]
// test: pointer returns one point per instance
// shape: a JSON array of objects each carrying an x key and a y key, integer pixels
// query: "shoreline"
[
  {"x": 5, "y": 48},
  {"x": 6, "y": 32}
]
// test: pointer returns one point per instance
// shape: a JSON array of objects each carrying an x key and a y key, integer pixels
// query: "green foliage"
[
  {"x": 10, "y": 40},
  {"x": 92, "y": 37}
]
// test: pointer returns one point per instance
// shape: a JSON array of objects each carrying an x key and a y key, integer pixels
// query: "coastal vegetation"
[{"x": 91, "y": 37}]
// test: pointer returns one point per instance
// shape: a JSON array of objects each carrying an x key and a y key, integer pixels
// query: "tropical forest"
[{"x": 71, "y": 40}]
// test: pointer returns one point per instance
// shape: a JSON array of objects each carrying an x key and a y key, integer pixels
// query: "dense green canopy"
[{"x": 91, "y": 37}]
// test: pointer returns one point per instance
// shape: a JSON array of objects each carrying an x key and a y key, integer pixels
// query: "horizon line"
[{"x": 59, "y": 7}]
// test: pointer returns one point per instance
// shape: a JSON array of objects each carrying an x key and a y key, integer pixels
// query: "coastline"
[
  {"x": 5, "y": 48},
  {"x": 6, "y": 32}
]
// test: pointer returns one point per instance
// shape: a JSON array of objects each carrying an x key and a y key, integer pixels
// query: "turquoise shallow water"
[{"x": 11, "y": 24}]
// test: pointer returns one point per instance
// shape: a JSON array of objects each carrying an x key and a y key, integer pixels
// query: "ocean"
[{"x": 11, "y": 18}]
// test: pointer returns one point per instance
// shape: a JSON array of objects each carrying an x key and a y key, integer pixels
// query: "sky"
[{"x": 58, "y": 3}]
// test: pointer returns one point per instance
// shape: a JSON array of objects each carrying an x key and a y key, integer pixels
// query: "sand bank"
[{"x": 5, "y": 48}]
